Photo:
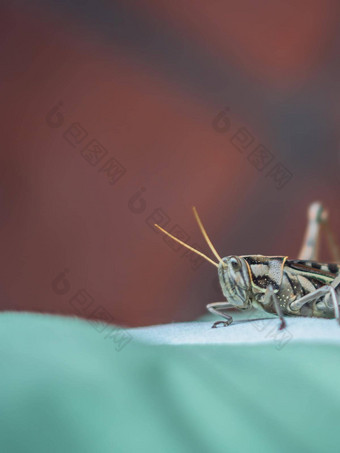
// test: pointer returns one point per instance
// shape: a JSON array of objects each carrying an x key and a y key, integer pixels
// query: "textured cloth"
[
  {"x": 67, "y": 385},
  {"x": 264, "y": 331}
]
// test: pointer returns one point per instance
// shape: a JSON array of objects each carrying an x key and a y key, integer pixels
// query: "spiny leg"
[
  {"x": 270, "y": 295},
  {"x": 310, "y": 246}
]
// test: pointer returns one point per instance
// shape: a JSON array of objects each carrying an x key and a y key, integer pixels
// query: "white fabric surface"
[{"x": 198, "y": 332}]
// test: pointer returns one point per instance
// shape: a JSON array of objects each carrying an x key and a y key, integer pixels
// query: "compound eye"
[{"x": 236, "y": 265}]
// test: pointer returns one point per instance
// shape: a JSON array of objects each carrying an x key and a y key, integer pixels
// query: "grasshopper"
[{"x": 276, "y": 284}]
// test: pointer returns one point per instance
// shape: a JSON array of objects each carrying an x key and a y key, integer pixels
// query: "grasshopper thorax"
[{"x": 235, "y": 280}]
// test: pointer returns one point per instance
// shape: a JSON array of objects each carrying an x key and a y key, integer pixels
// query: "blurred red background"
[{"x": 116, "y": 116}]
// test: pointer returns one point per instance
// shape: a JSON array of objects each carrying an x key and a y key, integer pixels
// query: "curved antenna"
[
  {"x": 186, "y": 245},
  {"x": 206, "y": 237}
]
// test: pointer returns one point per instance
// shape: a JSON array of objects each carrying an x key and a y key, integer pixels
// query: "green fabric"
[{"x": 65, "y": 388}]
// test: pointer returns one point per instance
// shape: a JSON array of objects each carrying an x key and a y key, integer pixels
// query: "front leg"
[{"x": 216, "y": 309}]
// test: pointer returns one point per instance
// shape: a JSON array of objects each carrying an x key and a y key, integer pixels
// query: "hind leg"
[
  {"x": 329, "y": 291},
  {"x": 310, "y": 246},
  {"x": 332, "y": 244},
  {"x": 318, "y": 223}
]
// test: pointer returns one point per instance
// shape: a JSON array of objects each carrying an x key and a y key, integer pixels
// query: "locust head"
[
  {"x": 233, "y": 271},
  {"x": 235, "y": 280}
]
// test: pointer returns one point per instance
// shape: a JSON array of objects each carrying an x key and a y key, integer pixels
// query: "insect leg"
[
  {"x": 326, "y": 290},
  {"x": 332, "y": 244},
  {"x": 336, "y": 287},
  {"x": 336, "y": 283},
  {"x": 310, "y": 246},
  {"x": 215, "y": 308},
  {"x": 269, "y": 294}
]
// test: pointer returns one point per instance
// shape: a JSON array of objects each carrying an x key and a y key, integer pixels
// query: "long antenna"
[
  {"x": 186, "y": 245},
  {"x": 206, "y": 237}
]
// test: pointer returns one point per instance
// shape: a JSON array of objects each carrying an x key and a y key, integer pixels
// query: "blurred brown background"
[{"x": 117, "y": 115}]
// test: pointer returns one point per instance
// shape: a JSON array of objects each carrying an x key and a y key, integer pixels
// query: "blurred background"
[{"x": 118, "y": 115}]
